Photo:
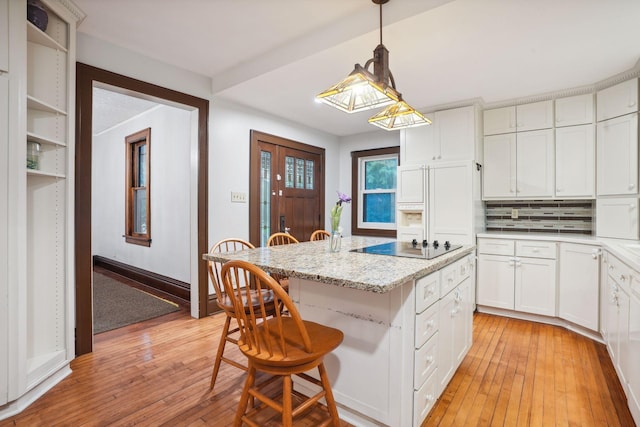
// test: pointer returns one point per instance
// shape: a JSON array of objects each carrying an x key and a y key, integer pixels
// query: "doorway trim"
[
  {"x": 254, "y": 176},
  {"x": 86, "y": 75}
]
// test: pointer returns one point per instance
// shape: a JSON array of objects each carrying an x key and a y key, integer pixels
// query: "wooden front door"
[{"x": 287, "y": 188}]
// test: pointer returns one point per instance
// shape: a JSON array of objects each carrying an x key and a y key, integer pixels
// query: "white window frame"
[{"x": 362, "y": 191}]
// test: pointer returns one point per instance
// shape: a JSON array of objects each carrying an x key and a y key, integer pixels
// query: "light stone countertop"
[{"x": 367, "y": 272}]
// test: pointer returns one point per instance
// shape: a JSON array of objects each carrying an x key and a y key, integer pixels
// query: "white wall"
[
  {"x": 362, "y": 141},
  {"x": 169, "y": 166}
]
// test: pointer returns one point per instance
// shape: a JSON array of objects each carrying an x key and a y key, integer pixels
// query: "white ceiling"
[{"x": 276, "y": 55}]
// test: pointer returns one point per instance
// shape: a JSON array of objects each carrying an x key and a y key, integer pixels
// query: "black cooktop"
[{"x": 424, "y": 249}]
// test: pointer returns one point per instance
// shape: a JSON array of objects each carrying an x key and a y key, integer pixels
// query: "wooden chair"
[
  {"x": 225, "y": 302},
  {"x": 278, "y": 345},
  {"x": 281, "y": 239},
  {"x": 320, "y": 235}
]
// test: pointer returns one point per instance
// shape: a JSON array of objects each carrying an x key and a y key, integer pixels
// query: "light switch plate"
[
  {"x": 514, "y": 213},
  {"x": 238, "y": 197}
]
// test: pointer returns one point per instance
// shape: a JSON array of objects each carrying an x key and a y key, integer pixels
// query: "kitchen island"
[{"x": 406, "y": 321}]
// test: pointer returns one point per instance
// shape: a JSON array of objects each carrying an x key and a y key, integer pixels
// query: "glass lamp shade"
[
  {"x": 359, "y": 91},
  {"x": 398, "y": 116}
]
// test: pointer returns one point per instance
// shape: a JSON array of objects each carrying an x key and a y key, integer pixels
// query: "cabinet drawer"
[
  {"x": 426, "y": 324},
  {"x": 425, "y": 361},
  {"x": 424, "y": 398},
  {"x": 496, "y": 246},
  {"x": 619, "y": 271},
  {"x": 536, "y": 249},
  {"x": 452, "y": 275},
  {"x": 427, "y": 291}
]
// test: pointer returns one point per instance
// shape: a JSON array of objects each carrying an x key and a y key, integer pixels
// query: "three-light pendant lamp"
[{"x": 362, "y": 90}]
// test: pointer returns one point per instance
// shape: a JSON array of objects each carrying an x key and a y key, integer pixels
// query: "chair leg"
[
  {"x": 244, "y": 397},
  {"x": 287, "y": 416},
  {"x": 331, "y": 403},
  {"x": 223, "y": 342}
]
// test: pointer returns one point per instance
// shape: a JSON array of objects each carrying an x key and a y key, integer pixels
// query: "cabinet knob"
[
  {"x": 433, "y": 158},
  {"x": 631, "y": 186},
  {"x": 631, "y": 104},
  {"x": 632, "y": 205}
]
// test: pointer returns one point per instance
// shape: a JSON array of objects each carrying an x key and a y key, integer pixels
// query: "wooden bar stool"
[
  {"x": 319, "y": 235},
  {"x": 225, "y": 302},
  {"x": 278, "y": 345}
]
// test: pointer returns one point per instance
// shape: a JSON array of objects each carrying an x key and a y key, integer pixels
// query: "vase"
[{"x": 334, "y": 241}]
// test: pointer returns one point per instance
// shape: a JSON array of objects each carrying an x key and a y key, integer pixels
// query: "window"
[
  {"x": 137, "y": 197},
  {"x": 374, "y": 191}
]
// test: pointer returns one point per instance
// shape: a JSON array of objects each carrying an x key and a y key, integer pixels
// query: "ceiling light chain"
[{"x": 361, "y": 90}]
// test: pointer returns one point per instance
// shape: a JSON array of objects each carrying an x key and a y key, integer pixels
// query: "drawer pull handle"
[
  {"x": 429, "y": 360},
  {"x": 428, "y": 398}
]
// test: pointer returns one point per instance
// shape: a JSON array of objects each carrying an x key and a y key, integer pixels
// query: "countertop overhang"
[{"x": 367, "y": 272}]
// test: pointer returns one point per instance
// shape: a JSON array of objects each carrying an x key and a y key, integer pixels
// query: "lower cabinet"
[
  {"x": 517, "y": 275},
  {"x": 578, "y": 284},
  {"x": 443, "y": 331}
]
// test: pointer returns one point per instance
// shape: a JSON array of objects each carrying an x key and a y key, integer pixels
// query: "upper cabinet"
[
  {"x": 575, "y": 162},
  {"x": 411, "y": 184},
  {"x": 617, "y": 100},
  {"x": 451, "y": 136},
  {"x": 4, "y": 36},
  {"x": 617, "y": 149},
  {"x": 574, "y": 110},
  {"x": 520, "y": 118}
]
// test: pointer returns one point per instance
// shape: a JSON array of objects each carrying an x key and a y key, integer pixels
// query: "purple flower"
[{"x": 342, "y": 197}]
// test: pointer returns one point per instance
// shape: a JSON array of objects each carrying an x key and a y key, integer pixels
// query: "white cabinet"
[
  {"x": 4, "y": 36},
  {"x": 574, "y": 110},
  {"x": 579, "y": 280},
  {"x": 519, "y": 165},
  {"x": 499, "y": 120},
  {"x": 617, "y": 218},
  {"x": 575, "y": 162},
  {"x": 518, "y": 275},
  {"x": 451, "y": 136},
  {"x": 537, "y": 115},
  {"x": 617, "y": 100},
  {"x": 618, "y": 156},
  {"x": 520, "y": 118},
  {"x": 4, "y": 236},
  {"x": 633, "y": 375},
  {"x": 411, "y": 184},
  {"x": 454, "y": 333},
  {"x": 451, "y": 202}
]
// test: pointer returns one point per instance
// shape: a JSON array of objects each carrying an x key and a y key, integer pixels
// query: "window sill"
[{"x": 142, "y": 241}]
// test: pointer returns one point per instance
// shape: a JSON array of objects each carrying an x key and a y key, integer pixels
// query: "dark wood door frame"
[
  {"x": 86, "y": 75},
  {"x": 254, "y": 176}
]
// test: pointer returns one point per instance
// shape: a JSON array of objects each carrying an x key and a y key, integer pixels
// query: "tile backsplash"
[{"x": 535, "y": 216}]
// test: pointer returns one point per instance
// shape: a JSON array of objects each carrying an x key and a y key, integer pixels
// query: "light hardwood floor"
[{"x": 157, "y": 373}]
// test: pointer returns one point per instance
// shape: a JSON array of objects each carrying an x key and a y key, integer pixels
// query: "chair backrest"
[
  {"x": 269, "y": 340},
  {"x": 281, "y": 239},
  {"x": 320, "y": 235},
  {"x": 225, "y": 245}
]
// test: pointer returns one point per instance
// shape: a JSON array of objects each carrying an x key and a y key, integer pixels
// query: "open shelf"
[
  {"x": 35, "y": 35},
  {"x": 44, "y": 140},
  {"x": 36, "y": 104},
  {"x": 44, "y": 174}
]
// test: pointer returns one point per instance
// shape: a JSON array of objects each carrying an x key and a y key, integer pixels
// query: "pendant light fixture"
[{"x": 362, "y": 90}]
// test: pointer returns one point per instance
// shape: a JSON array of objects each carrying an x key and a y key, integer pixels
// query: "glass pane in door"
[
  {"x": 140, "y": 211},
  {"x": 265, "y": 196}
]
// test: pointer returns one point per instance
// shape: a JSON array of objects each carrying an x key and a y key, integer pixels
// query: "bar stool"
[{"x": 278, "y": 345}]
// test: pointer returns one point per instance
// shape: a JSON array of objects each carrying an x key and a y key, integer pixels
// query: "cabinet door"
[
  {"x": 579, "y": 284},
  {"x": 535, "y": 286},
  {"x": 537, "y": 115},
  {"x": 499, "y": 120},
  {"x": 4, "y": 36},
  {"x": 451, "y": 203},
  {"x": 617, "y": 100},
  {"x": 575, "y": 161},
  {"x": 617, "y": 218},
  {"x": 618, "y": 156},
  {"x": 612, "y": 319},
  {"x": 624, "y": 360},
  {"x": 411, "y": 184},
  {"x": 418, "y": 144},
  {"x": 495, "y": 281},
  {"x": 535, "y": 168},
  {"x": 463, "y": 321},
  {"x": 455, "y": 134},
  {"x": 574, "y": 110},
  {"x": 499, "y": 180}
]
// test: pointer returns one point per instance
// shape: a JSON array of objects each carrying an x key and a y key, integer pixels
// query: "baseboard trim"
[{"x": 158, "y": 282}]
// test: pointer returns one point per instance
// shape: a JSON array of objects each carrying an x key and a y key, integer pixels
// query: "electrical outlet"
[
  {"x": 238, "y": 197},
  {"x": 514, "y": 213}
]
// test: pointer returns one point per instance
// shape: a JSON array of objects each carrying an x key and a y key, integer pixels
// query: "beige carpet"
[{"x": 116, "y": 305}]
